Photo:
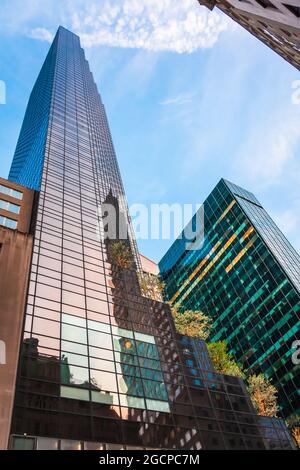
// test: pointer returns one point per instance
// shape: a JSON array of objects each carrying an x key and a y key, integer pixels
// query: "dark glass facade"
[
  {"x": 246, "y": 276},
  {"x": 101, "y": 366}
]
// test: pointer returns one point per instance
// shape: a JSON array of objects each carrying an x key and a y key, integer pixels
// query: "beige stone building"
[
  {"x": 149, "y": 266},
  {"x": 274, "y": 22}
]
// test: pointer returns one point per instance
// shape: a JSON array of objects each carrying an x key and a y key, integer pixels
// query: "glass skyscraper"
[
  {"x": 246, "y": 277},
  {"x": 101, "y": 366}
]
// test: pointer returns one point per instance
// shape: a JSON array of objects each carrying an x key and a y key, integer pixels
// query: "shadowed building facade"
[
  {"x": 16, "y": 204},
  {"x": 101, "y": 365},
  {"x": 246, "y": 276}
]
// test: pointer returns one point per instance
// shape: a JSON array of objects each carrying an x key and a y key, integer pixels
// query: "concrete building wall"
[
  {"x": 15, "y": 255},
  {"x": 275, "y": 22},
  {"x": 23, "y": 219}
]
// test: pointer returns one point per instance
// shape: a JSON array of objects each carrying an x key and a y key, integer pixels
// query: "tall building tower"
[
  {"x": 274, "y": 22},
  {"x": 246, "y": 276},
  {"x": 65, "y": 140},
  {"x": 101, "y": 366}
]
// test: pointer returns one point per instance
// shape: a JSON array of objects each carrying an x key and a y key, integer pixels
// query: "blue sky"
[{"x": 190, "y": 97}]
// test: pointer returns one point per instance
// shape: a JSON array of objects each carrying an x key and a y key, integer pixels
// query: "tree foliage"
[
  {"x": 296, "y": 435},
  {"x": 224, "y": 362},
  {"x": 263, "y": 395},
  {"x": 121, "y": 255},
  {"x": 192, "y": 323},
  {"x": 151, "y": 286},
  {"x": 293, "y": 423}
]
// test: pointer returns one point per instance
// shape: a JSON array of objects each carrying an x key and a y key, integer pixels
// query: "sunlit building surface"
[
  {"x": 101, "y": 366},
  {"x": 149, "y": 266},
  {"x": 246, "y": 276}
]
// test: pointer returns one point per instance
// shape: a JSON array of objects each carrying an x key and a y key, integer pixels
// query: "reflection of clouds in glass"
[
  {"x": 74, "y": 334},
  {"x": 104, "y": 380},
  {"x": 72, "y": 374}
]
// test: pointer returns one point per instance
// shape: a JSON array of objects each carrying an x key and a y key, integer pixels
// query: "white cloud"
[
  {"x": 178, "y": 100},
  {"x": 181, "y": 26},
  {"x": 41, "y": 33},
  {"x": 270, "y": 151},
  {"x": 158, "y": 25}
]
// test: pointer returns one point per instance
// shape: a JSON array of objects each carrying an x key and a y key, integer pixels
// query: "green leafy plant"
[
  {"x": 263, "y": 395},
  {"x": 121, "y": 255},
  {"x": 223, "y": 362},
  {"x": 151, "y": 286},
  {"x": 192, "y": 323}
]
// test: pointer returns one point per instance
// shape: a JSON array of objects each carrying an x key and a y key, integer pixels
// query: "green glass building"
[{"x": 245, "y": 275}]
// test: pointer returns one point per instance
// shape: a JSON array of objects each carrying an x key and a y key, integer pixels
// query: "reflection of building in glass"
[
  {"x": 138, "y": 372},
  {"x": 246, "y": 276},
  {"x": 222, "y": 415},
  {"x": 140, "y": 365},
  {"x": 101, "y": 366}
]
